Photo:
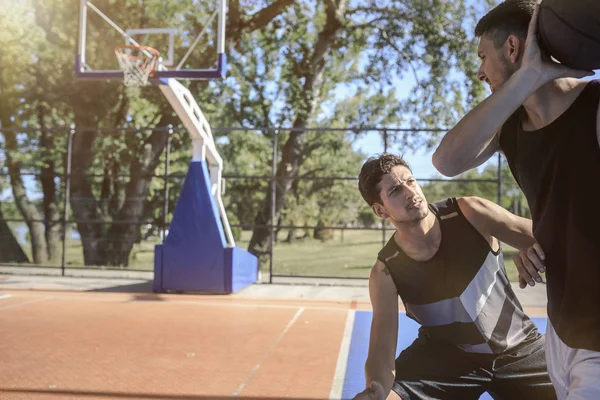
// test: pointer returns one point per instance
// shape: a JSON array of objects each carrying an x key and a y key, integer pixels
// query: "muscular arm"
[
  {"x": 475, "y": 138},
  {"x": 491, "y": 220},
  {"x": 380, "y": 363}
]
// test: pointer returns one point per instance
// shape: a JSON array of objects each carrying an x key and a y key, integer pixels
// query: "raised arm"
[{"x": 475, "y": 138}]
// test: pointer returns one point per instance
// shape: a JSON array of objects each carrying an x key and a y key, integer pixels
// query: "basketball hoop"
[{"x": 137, "y": 62}]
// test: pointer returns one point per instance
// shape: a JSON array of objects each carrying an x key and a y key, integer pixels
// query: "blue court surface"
[{"x": 354, "y": 378}]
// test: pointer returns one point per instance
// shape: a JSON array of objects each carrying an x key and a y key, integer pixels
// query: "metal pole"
[
  {"x": 67, "y": 199},
  {"x": 385, "y": 149},
  {"x": 166, "y": 203},
  {"x": 499, "y": 179},
  {"x": 82, "y": 33},
  {"x": 273, "y": 204}
]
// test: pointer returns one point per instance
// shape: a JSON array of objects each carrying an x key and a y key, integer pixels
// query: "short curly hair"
[{"x": 373, "y": 171}]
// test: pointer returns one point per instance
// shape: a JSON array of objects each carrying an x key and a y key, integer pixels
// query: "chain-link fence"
[{"x": 102, "y": 198}]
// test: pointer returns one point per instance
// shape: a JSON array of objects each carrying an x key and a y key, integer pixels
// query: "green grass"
[{"x": 350, "y": 253}]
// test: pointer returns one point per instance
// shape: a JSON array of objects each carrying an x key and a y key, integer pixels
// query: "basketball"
[{"x": 570, "y": 32}]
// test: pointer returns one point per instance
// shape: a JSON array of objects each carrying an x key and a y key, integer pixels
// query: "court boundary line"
[
  {"x": 267, "y": 353},
  {"x": 32, "y": 301},
  {"x": 342, "y": 362},
  {"x": 5, "y": 296},
  {"x": 342, "y": 305}
]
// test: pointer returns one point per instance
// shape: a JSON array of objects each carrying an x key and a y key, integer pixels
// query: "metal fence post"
[
  {"x": 273, "y": 205},
  {"x": 67, "y": 198},
  {"x": 167, "y": 170},
  {"x": 385, "y": 149},
  {"x": 499, "y": 179}
]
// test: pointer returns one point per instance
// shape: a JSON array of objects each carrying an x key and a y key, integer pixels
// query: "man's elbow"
[
  {"x": 444, "y": 165},
  {"x": 385, "y": 376}
]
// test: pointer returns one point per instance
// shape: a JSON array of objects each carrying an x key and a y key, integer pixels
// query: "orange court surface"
[{"x": 112, "y": 344}]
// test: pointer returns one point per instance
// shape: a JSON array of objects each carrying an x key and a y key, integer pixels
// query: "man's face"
[
  {"x": 402, "y": 197},
  {"x": 495, "y": 67}
]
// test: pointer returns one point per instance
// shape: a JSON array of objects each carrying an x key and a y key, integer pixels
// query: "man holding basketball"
[{"x": 546, "y": 121}]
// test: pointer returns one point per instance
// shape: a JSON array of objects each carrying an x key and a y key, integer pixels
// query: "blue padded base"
[{"x": 195, "y": 256}]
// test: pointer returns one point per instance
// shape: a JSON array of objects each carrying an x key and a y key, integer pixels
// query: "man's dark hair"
[
  {"x": 373, "y": 171},
  {"x": 511, "y": 17}
]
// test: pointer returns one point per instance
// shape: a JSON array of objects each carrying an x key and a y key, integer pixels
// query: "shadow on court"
[
  {"x": 144, "y": 291},
  {"x": 144, "y": 287}
]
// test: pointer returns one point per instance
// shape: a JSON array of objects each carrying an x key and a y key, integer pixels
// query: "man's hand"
[
  {"x": 529, "y": 263},
  {"x": 544, "y": 68},
  {"x": 375, "y": 392}
]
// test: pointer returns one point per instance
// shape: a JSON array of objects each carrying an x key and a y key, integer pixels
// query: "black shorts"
[{"x": 428, "y": 369}]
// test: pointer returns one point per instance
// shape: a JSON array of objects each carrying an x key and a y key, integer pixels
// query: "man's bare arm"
[
  {"x": 471, "y": 141},
  {"x": 380, "y": 363},
  {"x": 474, "y": 139},
  {"x": 491, "y": 220}
]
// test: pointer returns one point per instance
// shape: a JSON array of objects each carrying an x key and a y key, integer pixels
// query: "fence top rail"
[
  {"x": 67, "y": 129},
  {"x": 180, "y": 175}
]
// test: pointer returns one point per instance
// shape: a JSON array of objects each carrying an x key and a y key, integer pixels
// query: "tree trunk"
[
  {"x": 105, "y": 244},
  {"x": 10, "y": 249},
  {"x": 311, "y": 69},
  {"x": 136, "y": 195},
  {"x": 83, "y": 204},
  {"x": 51, "y": 214},
  {"x": 30, "y": 214}
]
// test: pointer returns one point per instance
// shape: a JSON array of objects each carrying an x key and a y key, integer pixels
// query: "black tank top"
[
  {"x": 558, "y": 169},
  {"x": 461, "y": 295}
]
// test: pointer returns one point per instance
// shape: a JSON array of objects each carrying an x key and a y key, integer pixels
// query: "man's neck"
[
  {"x": 420, "y": 241},
  {"x": 550, "y": 101}
]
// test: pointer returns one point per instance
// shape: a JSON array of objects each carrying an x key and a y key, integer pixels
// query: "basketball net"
[{"x": 138, "y": 63}]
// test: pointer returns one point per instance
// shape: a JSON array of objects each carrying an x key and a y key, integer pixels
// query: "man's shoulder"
[
  {"x": 445, "y": 208},
  {"x": 388, "y": 251}
]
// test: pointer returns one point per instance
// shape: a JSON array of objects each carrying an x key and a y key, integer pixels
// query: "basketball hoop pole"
[{"x": 203, "y": 144}]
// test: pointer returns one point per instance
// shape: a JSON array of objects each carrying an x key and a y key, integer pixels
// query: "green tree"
[
  {"x": 21, "y": 76},
  {"x": 347, "y": 57},
  {"x": 101, "y": 199},
  {"x": 293, "y": 63}
]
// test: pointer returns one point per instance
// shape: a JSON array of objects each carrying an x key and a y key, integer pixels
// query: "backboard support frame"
[{"x": 83, "y": 71}]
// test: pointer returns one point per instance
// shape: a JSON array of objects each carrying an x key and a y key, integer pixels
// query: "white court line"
[
  {"x": 340, "y": 369},
  {"x": 25, "y": 303},
  {"x": 268, "y": 353},
  {"x": 5, "y": 296},
  {"x": 197, "y": 303}
]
